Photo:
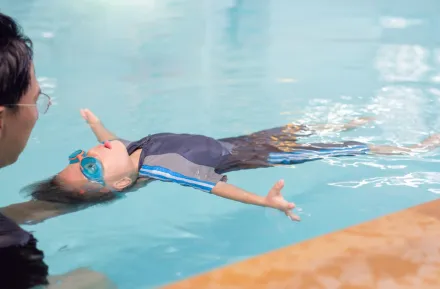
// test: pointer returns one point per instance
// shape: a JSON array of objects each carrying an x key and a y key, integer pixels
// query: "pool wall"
[{"x": 400, "y": 250}]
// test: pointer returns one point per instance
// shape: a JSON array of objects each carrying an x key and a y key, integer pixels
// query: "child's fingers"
[
  {"x": 90, "y": 115},
  {"x": 292, "y": 216},
  {"x": 83, "y": 114}
]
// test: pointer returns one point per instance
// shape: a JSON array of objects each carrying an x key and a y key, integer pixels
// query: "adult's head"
[{"x": 21, "y": 100}]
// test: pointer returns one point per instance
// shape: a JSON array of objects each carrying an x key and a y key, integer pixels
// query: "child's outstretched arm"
[
  {"x": 274, "y": 198},
  {"x": 101, "y": 133}
]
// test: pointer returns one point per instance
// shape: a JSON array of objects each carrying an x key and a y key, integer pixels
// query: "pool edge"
[{"x": 399, "y": 250}]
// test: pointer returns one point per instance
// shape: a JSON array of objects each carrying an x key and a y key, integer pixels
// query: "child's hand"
[
  {"x": 89, "y": 117},
  {"x": 101, "y": 133},
  {"x": 275, "y": 200}
]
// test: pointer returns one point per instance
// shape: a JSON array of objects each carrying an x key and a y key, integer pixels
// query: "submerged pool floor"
[{"x": 227, "y": 68}]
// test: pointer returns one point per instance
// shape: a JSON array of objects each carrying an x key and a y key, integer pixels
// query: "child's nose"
[{"x": 108, "y": 145}]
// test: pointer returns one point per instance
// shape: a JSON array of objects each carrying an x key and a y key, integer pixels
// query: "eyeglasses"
[{"x": 43, "y": 103}]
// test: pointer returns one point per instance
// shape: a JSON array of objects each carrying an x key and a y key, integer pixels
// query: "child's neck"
[{"x": 135, "y": 156}]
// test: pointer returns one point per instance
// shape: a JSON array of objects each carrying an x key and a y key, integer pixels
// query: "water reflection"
[
  {"x": 415, "y": 180},
  {"x": 234, "y": 61},
  {"x": 399, "y": 22},
  {"x": 436, "y": 71},
  {"x": 399, "y": 63},
  {"x": 404, "y": 103},
  {"x": 239, "y": 56}
]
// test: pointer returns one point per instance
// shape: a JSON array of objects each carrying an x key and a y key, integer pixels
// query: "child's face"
[{"x": 102, "y": 168}]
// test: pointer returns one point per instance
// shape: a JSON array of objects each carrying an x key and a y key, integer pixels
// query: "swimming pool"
[{"x": 225, "y": 68}]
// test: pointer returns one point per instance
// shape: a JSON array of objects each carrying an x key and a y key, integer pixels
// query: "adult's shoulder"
[{"x": 11, "y": 234}]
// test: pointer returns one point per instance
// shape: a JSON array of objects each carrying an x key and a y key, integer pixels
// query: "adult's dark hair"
[
  {"x": 15, "y": 61},
  {"x": 52, "y": 190}
]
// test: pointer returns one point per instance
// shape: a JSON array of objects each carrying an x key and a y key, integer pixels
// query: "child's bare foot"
[
  {"x": 431, "y": 142},
  {"x": 360, "y": 121}
]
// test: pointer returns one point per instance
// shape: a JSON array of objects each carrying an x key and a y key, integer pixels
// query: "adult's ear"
[{"x": 2, "y": 116}]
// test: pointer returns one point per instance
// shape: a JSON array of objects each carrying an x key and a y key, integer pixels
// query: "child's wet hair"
[{"x": 52, "y": 190}]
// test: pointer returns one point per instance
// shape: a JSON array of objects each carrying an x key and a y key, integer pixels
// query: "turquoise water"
[{"x": 224, "y": 68}]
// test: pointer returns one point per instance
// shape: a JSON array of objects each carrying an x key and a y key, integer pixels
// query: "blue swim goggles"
[{"x": 90, "y": 167}]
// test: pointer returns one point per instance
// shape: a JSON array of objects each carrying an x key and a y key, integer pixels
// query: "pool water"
[{"x": 225, "y": 68}]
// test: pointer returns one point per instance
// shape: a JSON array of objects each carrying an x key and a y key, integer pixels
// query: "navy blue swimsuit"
[{"x": 200, "y": 161}]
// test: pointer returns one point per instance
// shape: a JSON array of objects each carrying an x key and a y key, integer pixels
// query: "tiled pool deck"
[{"x": 400, "y": 250}]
